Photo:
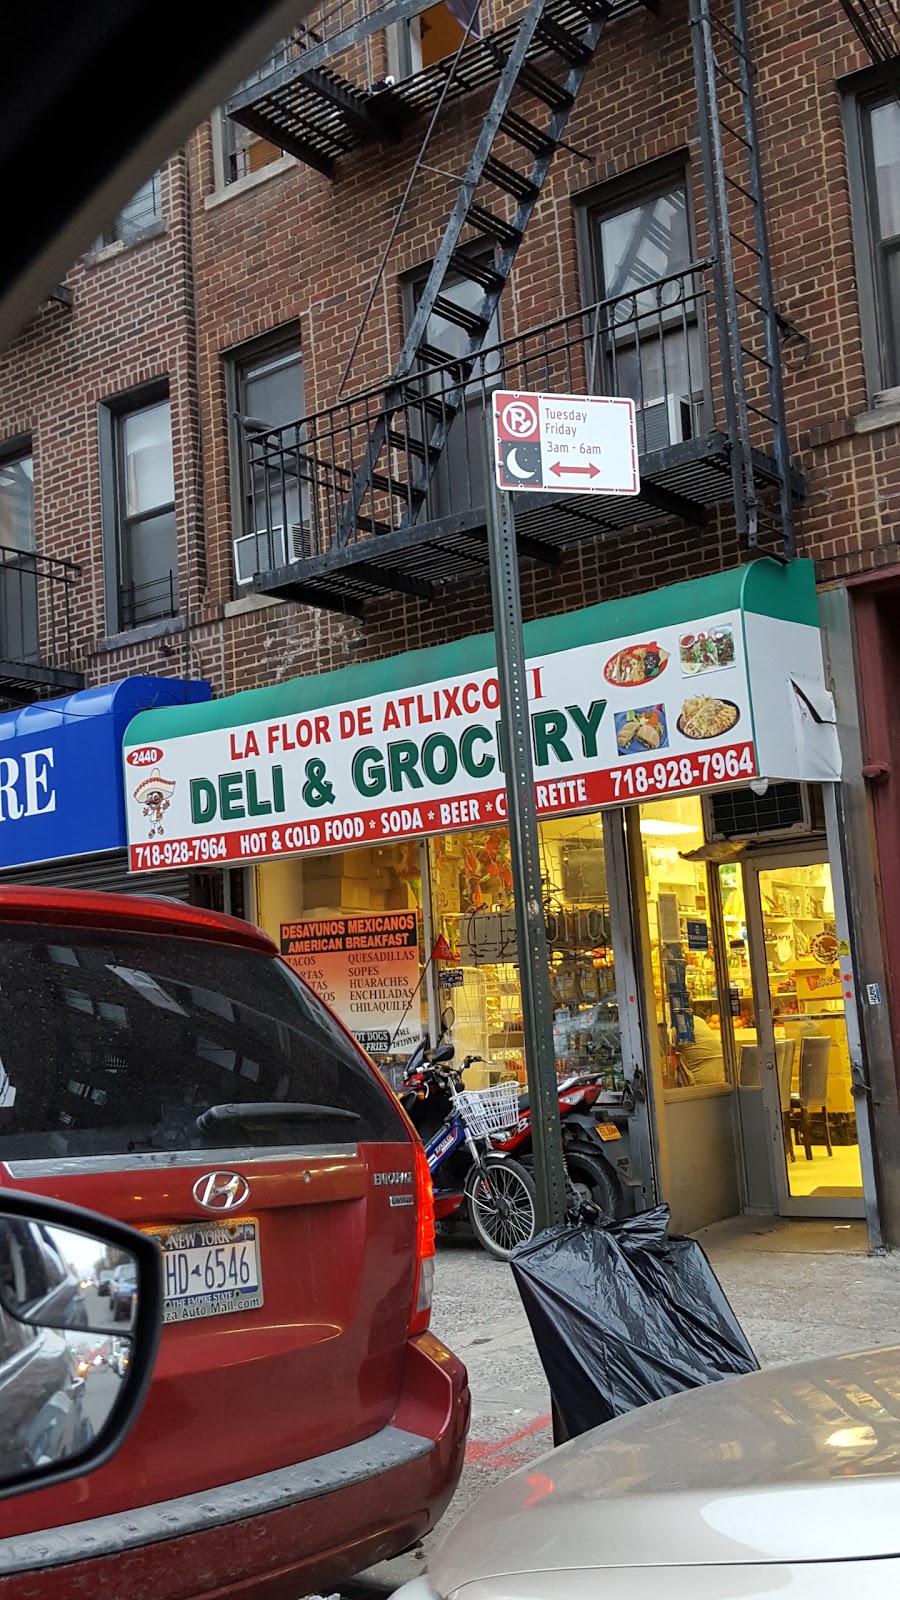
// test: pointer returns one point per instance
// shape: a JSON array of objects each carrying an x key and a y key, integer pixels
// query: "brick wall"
[{"x": 298, "y": 249}]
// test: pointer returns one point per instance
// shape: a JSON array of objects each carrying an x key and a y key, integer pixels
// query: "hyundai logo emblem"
[{"x": 221, "y": 1191}]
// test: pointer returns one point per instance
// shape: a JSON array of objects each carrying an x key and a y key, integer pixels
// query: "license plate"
[
  {"x": 608, "y": 1130},
  {"x": 210, "y": 1271}
]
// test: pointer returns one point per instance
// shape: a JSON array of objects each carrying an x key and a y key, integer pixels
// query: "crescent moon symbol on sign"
[{"x": 513, "y": 466}]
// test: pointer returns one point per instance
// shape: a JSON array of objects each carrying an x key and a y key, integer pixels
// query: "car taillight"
[{"x": 421, "y": 1315}]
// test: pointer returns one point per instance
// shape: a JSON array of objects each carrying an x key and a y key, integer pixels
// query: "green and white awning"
[{"x": 679, "y": 691}]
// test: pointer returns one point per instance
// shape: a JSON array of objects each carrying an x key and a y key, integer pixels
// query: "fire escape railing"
[
  {"x": 37, "y": 645},
  {"x": 704, "y": 366},
  {"x": 649, "y": 344}
]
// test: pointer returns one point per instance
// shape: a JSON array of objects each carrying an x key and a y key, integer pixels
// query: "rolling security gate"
[{"x": 107, "y": 873}]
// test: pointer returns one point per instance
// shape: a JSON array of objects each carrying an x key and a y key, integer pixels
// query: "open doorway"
[
  {"x": 754, "y": 1094},
  {"x": 794, "y": 1051}
]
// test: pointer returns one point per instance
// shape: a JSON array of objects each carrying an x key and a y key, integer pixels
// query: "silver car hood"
[{"x": 793, "y": 1464}]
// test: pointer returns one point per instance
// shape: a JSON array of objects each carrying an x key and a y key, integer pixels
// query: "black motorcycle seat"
[{"x": 524, "y": 1102}]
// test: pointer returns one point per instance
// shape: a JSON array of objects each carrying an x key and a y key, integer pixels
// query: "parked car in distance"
[
  {"x": 104, "y": 1279},
  {"x": 784, "y": 1482},
  {"x": 122, "y": 1293},
  {"x": 192, "y": 1086}
]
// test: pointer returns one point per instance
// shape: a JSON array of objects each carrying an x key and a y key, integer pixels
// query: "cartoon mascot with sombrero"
[{"x": 154, "y": 794}]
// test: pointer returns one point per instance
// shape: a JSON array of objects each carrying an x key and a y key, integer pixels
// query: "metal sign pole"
[{"x": 534, "y": 975}]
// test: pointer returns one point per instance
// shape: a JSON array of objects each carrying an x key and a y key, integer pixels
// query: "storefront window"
[
  {"x": 682, "y": 946},
  {"x": 472, "y": 890},
  {"x": 351, "y": 924}
]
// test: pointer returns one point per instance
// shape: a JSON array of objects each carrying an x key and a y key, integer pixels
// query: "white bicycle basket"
[{"x": 486, "y": 1111}]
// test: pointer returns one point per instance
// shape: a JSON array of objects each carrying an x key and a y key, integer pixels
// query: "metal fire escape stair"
[
  {"x": 372, "y": 476},
  {"x": 569, "y": 47},
  {"x": 311, "y": 111},
  {"x": 750, "y": 329}
]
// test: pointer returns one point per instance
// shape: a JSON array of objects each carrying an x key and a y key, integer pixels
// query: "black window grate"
[{"x": 739, "y": 812}]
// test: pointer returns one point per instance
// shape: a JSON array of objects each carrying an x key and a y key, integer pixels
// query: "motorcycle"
[
  {"x": 458, "y": 1127},
  {"x": 591, "y": 1180}
]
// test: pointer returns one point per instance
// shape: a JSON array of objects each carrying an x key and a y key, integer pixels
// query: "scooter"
[
  {"x": 591, "y": 1178},
  {"x": 471, "y": 1178}
]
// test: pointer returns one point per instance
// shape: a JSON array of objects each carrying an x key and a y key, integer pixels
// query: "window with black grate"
[{"x": 737, "y": 812}]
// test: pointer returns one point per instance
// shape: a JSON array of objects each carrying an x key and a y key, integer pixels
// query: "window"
[
  {"x": 682, "y": 919},
  {"x": 270, "y": 480},
  {"x": 18, "y": 574},
  {"x": 237, "y": 152},
  {"x": 473, "y": 907},
  {"x": 17, "y": 500},
  {"x": 243, "y": 152},
  {"x": 118, "y": 1043},
  {"x": 873, "y": 129},
  {"x": 139, "y": 482},
  {"x": 418, "y": 42},
  {"x": 142, "y": 217},
  {"x": 639, "y": 249}
]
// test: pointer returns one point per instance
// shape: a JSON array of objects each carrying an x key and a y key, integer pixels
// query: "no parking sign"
[{"x": 565, "y": 444}]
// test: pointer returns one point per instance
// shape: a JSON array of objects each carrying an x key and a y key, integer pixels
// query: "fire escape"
[
  {"x": 384, "y": 490},
  {"x": 37, "y": 596}
]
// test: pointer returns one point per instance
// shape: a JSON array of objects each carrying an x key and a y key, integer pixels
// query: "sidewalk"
[{"x": 800, "y": 1289}]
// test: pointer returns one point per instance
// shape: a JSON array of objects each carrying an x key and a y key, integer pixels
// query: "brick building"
[{"x": 715, "y": 238}]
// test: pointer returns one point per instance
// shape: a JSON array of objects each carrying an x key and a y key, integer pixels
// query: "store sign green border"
[{"x": 785, "y": 592}]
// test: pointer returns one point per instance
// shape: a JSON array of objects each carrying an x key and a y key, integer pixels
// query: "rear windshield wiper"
[{"x": 273, "y": 1111}]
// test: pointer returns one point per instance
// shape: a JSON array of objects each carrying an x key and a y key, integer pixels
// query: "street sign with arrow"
[{"x": 565, "y": 443}]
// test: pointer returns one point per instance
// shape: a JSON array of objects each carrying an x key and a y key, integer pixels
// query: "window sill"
[
  {"x": 885, "y": 413},
  {"x": 251, "y": 180},
  {"x": 148, "y": 630},
  {"x": 696, "y": 1091},
  {"x": 120, "y": 247},
  {"x": 247, "y": 603}
]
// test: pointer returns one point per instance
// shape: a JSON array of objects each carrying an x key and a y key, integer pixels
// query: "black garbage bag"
[{"x": 625, "y": 1313}]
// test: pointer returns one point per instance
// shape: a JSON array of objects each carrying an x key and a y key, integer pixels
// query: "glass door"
[{"x": 793, "y": 1043}]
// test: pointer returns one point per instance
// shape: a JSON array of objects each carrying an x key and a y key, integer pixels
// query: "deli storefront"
[{"x": 686, "y": 762}]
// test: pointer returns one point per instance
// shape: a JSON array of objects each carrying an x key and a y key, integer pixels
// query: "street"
[{"x": 800, "y": 1289}]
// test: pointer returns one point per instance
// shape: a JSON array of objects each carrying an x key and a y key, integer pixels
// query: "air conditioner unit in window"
[
  {"x": 258, "y": 552},
  {"x": 265, "y": 550},
  {"x": 668, "y": 420},
  {"x": 783, "y": 811}
]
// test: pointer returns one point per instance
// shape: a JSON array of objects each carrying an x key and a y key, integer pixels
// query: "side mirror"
[
  {"x": 72, "y": 1380},
  {"x": 448, "y": 1017},
  {"x": 444, "y": 1052}
]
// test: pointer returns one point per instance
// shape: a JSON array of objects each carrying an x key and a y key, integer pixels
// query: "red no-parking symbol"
[{"x": 518, "y": 418}]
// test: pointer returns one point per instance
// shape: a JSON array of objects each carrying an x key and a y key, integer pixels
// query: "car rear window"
[{"x": 116, "y": 1043}]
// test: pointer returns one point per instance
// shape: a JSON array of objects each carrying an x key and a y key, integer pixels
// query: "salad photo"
[{"x": 706, "y": 652}]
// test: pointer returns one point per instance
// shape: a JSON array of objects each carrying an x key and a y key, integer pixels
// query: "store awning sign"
[
  {"x": 673, "y": 693},
  {"x": 565, "y": 443},
  {"x": 61, "y": 793}
]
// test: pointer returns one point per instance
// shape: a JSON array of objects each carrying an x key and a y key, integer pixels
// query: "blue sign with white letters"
[{"x": 61, "y": 790}]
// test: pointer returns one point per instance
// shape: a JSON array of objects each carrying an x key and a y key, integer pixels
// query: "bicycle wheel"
[{"x": 500, "y": 1198}]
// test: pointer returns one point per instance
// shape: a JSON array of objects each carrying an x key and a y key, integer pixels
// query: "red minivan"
[{"x": 164, "y": 1065}]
